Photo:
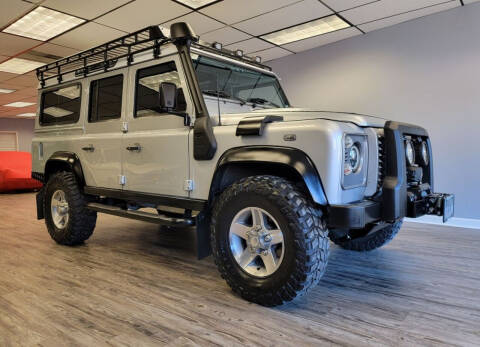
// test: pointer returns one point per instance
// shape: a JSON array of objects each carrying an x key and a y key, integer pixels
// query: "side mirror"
[{"x": 168, "y": 96}]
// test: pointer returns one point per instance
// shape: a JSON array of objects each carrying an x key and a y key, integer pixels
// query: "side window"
[
  {"x": 147, "y": 95},
  {"x": 61, "y": 106},
  {"x": 105, "y": 99}
]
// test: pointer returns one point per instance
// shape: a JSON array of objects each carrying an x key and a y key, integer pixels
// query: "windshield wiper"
[
  {"x": 262, "y": 101},
  {"x": 223, "y": 94}
]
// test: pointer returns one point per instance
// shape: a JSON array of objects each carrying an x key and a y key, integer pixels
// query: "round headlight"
[
  {"x": 410, "y": 152},
  {"x": 352, "y": 159},
  {"x": 424, "y": 153}
]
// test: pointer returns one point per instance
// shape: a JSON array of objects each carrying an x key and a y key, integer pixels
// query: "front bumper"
[{"x": 399, "y": 197}]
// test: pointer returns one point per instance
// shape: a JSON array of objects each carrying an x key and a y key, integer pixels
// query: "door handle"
[
  {"x": 135, "y": 148},
  {"x": 89, "y": 148}
]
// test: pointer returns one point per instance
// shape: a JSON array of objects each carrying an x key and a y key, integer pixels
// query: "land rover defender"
[{"x": 164, "y": 128}]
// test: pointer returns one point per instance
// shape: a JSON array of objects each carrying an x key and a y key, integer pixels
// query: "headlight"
[
  {"x": 424, "y": 153},
  {"x": 410, "y": 152},
  {"x": 353, "y": 156}
]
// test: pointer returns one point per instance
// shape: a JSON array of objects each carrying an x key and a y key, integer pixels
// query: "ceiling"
[{"x": 236, "y": 23}]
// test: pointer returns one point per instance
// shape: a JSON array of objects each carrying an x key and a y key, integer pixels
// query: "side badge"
[{"x": 289, "y": 137}]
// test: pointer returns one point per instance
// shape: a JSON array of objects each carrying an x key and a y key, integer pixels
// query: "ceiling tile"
[
  {"x": 381, "y": 23},
  {"x": 5, "y": 76},
  {"x": 13, "y": 44},
  {"x": 385, "y": 8},
  {"x": 272, "y": 53},
  {"x": 285, "y": 17},
  {"x": 16, "y": 96},
  {"x": 341, "y": 5},
  {"x": 53, "y": 49},
  {"x": 201, "y": 24},
  {"x": 26, "y": 80},
  {"x": 3, "y": 58},
  {"x": 232, "y": 11},
  {"x": 87, "y": 9},
  {"x": 251, "y": 45},
  {"x": 321, "y": 40},
  {"x": 12, "y": 9},
  {"x": 87, "y": 36},
  {"x": 225, "y": 35},
  {"x": 142, "y": 13}
]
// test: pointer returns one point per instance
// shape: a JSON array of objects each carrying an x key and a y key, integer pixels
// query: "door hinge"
[
  {"x": 124, "y": 127},
  {"x": 122, "y": 180},
  {"x": 188, "y": 185}
]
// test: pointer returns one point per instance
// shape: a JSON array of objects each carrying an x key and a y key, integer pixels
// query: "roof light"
[
  {"x": 258, "y": 59},
  {"x": 20, "y": 104},
  {"x": 303, "y": 31},
  {"x": 27, "y": 115},
  {"x": 6, "y": 91},
  {"x": 239, "y": 53},
  {"x": 217, "y": 45},
  {"x": 42, "y": 24},
  {"x": 195, "y": 4},
  {"x": 19, "y": 66}
]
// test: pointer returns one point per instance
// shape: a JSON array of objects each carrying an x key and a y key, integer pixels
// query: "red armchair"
[{"x": 16, "y": 172}]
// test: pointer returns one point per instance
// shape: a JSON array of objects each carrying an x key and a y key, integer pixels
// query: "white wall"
[
  {"x": 425, "y": 72},
  {"x": 24, "y": 129}
]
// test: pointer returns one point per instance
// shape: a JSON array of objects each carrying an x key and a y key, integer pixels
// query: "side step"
[{"x": 143, "y": 216}]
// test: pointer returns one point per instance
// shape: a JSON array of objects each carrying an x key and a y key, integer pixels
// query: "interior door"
[
  {"x": 100, "y": 147},
  {"x": 156, "y": 144}
]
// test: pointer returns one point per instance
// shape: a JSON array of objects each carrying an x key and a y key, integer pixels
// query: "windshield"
[{"x": 245, "y": 89}]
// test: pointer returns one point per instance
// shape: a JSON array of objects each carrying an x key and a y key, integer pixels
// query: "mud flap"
[
  {"x": 40, "y": 197},
  {"x": 203, "y": 236}
]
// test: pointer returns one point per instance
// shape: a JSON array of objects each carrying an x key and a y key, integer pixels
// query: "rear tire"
[
  {"x": 369, "y": 241},
  {"x": 68, "y": 220},
  {"x": 299, "y": 255}
]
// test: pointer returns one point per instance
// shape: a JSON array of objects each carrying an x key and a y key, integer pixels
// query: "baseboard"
[{"x": 454, "y": 221}]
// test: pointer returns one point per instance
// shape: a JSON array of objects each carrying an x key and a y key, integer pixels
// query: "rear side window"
[
  {"x": 105, "y": 99},
  {"x": 61, "y": 106},
  {"x": 147, "y": 89}
]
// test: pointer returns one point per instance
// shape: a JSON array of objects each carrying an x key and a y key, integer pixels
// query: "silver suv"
[{"x": 164, "y": 128}]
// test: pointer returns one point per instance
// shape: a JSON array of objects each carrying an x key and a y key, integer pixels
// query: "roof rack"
[{"x": 105, "y": 55}]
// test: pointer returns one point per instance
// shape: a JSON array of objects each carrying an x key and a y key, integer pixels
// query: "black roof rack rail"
[{"x": 105, "y": 55}]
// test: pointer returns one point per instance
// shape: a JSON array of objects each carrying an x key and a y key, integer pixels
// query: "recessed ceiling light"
[
  {"x": 6, "y": 91},
  {"x": 306, "y": 30},
  {"x": 27, "y": 115},
  {"x": 20, "y": 104},
  {"x": 19, "y": 66},
  {"x": 42, "y": 24},
  {"x": 195, "y": 4}
]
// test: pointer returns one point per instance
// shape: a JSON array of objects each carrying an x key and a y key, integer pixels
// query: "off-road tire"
[
  {"x": 81, "y": 221},
  {"x": 371, "y": 241},
  {"x": 305, "y": 239}
]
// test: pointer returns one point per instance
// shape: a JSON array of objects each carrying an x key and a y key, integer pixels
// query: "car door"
[
  {"x": 100, "y": 148},
  {"x": 156, "y": 158}
]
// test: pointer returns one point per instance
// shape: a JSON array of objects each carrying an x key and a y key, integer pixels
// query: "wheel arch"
[
  {"x": 68, "y": 161},
  {"x": 287, "y": 162}
]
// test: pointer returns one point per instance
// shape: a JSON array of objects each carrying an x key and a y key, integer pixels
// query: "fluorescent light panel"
[
  {"x": 304, "y": 31},
  {"x": 6, "y": 91},
  {"x": 42, "y": 24},
  {"x": 19, "y": 66},
  {"x": 27, "y": 115},
  {"x": 20, "y": 104},
  {"x": 196, "y": 3}
]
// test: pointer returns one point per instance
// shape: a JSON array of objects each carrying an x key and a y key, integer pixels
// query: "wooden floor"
[{"x": 125, "y": 287}]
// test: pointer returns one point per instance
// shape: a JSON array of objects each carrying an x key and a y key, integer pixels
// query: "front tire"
[
  {"x": 268, "y": 240},
  {"x": 68, "y": 220}
]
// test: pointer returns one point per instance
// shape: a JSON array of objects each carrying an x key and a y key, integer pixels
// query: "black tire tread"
[{"x": 311, "y": 238}]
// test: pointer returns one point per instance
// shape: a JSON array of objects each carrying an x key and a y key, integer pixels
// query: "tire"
[
  {"x": 370, "y": 241},
  {"x": 304, "y": 247},
  {"x": 79, "y": 223}
]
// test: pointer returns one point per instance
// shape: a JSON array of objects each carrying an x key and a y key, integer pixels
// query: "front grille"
[{"x": 381, "y": 161}]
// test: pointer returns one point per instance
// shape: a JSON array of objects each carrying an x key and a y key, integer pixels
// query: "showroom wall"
[
  {"x": 24, "y": 129},
  {"x": 425, "y": 72}
]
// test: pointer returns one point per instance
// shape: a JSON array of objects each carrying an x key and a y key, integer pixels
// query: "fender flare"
[
  {"x": 287, "y": 156},
  {"x": 65, "y": 158}
]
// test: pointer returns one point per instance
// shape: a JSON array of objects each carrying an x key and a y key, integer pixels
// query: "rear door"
[
  {"x": 156, "y": 145},
  {"x": 100, "y": 147}
]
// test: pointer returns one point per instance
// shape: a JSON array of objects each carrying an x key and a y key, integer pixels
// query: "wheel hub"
[
  {"x": 59, "y": 209},
  {"x": 258, "y": 240}
]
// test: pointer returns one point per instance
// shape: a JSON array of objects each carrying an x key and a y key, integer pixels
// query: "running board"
[{"x": 140, "y": 215}]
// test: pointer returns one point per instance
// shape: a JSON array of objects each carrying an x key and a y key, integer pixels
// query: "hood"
[{"x": 296, "y": 114}]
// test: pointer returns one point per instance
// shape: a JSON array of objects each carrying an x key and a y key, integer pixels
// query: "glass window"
[
  {"x": 106, "y": 99},
  {"x": 147, "y": 100},
  {"x": 61, "y": 106}
]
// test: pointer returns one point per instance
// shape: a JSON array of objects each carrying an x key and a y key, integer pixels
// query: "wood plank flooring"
[{"x": 135, "y": 284}]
